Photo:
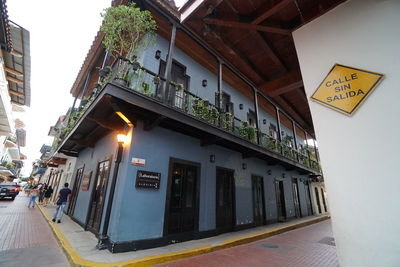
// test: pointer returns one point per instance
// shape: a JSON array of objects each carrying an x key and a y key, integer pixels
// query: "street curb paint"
[{"x": 77, "y": 260}]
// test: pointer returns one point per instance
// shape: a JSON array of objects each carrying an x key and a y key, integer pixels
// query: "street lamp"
[{"x": 103, "y": 237}]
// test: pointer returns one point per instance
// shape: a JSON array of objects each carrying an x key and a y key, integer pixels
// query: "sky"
[{"x": 61, "y": 33}]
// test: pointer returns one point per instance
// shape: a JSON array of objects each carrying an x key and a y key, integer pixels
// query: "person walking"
[
  {"x": 62, "y": 200},
  {"x": 42, "y": 190},
  {"x": 32, "y": 197},
  {"x": 47, "y": 195}
]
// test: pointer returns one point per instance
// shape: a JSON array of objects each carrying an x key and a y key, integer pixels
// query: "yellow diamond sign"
[{"x": 345, "y": 88}]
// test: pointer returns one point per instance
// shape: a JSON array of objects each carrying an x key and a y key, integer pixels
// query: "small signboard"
[
  {"x": 86, "y": 181},
  {"x": 150, "y": 180},
  {"x": 138, "y": 162},
  {"x": 345, "y": 88}
]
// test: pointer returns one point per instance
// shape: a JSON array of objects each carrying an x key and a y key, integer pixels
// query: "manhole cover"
[{"x": 327, "y": 241}]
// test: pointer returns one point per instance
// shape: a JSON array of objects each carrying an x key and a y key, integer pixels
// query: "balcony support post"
[
  {"x": 219, "y": 104},
  {"x": 316, "y": 151},
  {"x": 308, "y": 151},
  {"x": 278, "y": 122},
  {"x": 257, "y": 115},
  {"x": 168, "y": 66},
  {"x": 295, "y": 139}
]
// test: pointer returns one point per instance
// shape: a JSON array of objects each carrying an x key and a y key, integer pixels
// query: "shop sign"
[
  {"x": 345, "y": 88},
  {"x": 150, "y": 180}
]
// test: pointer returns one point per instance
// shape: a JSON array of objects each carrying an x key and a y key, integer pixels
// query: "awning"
[{"x": 39, "y": 171}]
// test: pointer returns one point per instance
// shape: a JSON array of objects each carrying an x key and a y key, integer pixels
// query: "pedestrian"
[
  {"x": 47, "y": 195},
  {"x": 42, "y": 190},
  {"x": 62, "y": 200},
  {"x": 32, "y": 196}
]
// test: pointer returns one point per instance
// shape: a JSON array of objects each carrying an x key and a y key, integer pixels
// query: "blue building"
[{"x": 206, "y": 151}]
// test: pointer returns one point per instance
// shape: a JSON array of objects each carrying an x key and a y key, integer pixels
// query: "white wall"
[{"x": 359, "y": 154}]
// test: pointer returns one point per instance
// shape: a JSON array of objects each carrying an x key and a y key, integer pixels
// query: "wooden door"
[
  {"x": 308, "y": 199},
  {"x": 182, "y": 202},
  {"x": 323, "y": 200},
  {"x": 317, "y": 198},
  {"x": 98, "y": 196},
  {"x": 225, "y": 211},
  {"x": 280, "y": 200},
  {"x": 258, "y": 200},
  {"x": 75, "y": 191},
  {"x": 296, "y": 198}
]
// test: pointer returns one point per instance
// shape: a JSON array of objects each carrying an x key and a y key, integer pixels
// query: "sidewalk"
[
  {"x": 25, "y": 237},
  {"x": 79, "y": 245}
]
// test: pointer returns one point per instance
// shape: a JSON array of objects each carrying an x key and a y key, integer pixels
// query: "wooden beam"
[
  {"x": 104, "y": 123},
  {"x": 267, "y": 48},
  {"x": 16, "y": 93},
  {"x": 209, "y": 141},
  {"x": 222, "y": 46},
  {"x": 17, "y": 73},
  {"x": 245, "y": 26},
  {"x": 268, "y": 11},
  {"x": 284, "y": 84},
  {"x": 81, "y": 142},
  {"x": 11, "y": 79},
  {"x": 291, "y": 111},
  {"x": 151, "y": 124}
]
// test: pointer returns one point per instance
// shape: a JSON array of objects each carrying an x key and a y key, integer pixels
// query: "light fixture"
[
  {"x": 244, "y": 166},
  {"x": 212, "y": 158},
  {"x": 240, "y": 106},
  {"x": 124, "y": 118},
  {"x": 269, "y": 172},
  {"x": 264, "y": 121},
  {"x": 158, "y": 54},
  {"x": 121, "y": 138},
  {"x": 204, "y": 83},
  {"x": 283, "y": 175}
]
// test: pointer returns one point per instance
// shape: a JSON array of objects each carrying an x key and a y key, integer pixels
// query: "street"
[
  {"x": 305, "y": 247},
  {"x": 25, "y": 237}
]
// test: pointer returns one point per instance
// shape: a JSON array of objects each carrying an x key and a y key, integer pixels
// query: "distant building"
[{"x": 15, "y": 90}]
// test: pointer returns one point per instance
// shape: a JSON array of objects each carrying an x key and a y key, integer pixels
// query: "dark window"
[
  {"x": 178, "y": 76},
  {"x": 272, "y": 131},
  {"x": 227, "y": 105},
  {"x": 251, "y": 118}
]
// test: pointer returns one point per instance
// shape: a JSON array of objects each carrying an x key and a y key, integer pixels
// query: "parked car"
[{"x": 10, "y": 190}]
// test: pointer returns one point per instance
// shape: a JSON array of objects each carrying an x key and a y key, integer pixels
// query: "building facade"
[{"x": 206, "y": 151}]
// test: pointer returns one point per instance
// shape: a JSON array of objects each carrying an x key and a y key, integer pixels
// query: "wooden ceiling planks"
[{"x": 262, "y": 55}]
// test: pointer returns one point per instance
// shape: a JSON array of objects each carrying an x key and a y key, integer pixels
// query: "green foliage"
[
  {"x": 227, "y": 121},
  {"x": 127, "y": 29},
  {"x": 248, "y": 131},
  {"x": 124, "y": 27}
]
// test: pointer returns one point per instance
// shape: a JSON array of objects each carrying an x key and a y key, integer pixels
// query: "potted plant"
[{"x": 125, "y": 28}]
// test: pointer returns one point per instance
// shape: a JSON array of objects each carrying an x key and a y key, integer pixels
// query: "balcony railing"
[{"x": 174, "y": 95}]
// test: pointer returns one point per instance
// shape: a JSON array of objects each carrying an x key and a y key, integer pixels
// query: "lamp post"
[{"x": 103, "y": 237}]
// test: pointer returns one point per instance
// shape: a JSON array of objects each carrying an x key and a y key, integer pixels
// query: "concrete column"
[{"x": 359, "y": 154}]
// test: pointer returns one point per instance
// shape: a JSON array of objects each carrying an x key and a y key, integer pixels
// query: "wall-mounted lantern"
[
  {"x": 212, "y": 158},
  {"x": 264, "y": 121},
  {"x": 283, "y": 175},
  {"x": 121, "y": 138},
  {"x": 158, "y": 54},
  {"x": 244, "y": 166},
  {"x": 269, "y": 172},
  {"x": 240, "y": 106},
  {"x": 204, "y": 83}
]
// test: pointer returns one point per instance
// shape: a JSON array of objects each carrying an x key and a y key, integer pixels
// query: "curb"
[{"x": 76, "y": 260}]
